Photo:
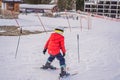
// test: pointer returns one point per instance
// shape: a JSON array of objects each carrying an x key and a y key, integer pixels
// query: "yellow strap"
[{"x": 57, "y": 31}]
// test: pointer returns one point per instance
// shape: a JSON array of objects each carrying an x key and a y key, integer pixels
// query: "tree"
[
  {"x": 69, "y": 4},
  {"x": 32, "y": 1},
  {"x": 80, "y": 5},
  {"x": 61, "y": 5},
  {"x": 65, "y": 4},
  {"x": 45, "y": 1}
]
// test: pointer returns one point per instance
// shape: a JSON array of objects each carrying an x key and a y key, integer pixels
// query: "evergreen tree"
[
  {"x": 80, "y": 5},
  {"x": 65, "y": 4},
  {"x": 32, "y": 1},
  {"x": 69, "y": 4},
  {"x": 61, "y": 5},
  {"x": 45, "y": 1}
]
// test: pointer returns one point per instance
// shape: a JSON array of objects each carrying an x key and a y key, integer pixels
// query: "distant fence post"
[
  {"x": 81, "y": 23},
  {"x": 68, "y": 20}
]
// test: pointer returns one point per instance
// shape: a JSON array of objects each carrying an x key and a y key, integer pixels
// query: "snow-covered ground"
[{"x": 99, "y": 49}]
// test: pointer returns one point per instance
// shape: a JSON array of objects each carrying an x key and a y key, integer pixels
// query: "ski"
[
  {"x": 51, "y": 68},
  {"x": 67, "y": 77}
]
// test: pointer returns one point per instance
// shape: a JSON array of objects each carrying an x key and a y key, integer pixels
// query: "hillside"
[{"x": 99, "y": 49}]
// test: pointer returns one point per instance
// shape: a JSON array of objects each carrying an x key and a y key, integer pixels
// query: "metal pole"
[
  {"x": 81, "y": 23},
  {"x": 89, "y": 21},
  {"x": 78, "y": 48},
  {"x": 18, "y": 43},
  {"x": 68, "y": 20},
  {"x": 18, "y": 37},
  {"x": 41, "y": 23}
]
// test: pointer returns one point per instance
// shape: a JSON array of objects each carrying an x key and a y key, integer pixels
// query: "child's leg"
[
  {"x": 49, "y": 61},
  {"x": 61, "y": 60},
  {"x": 62, "y": 65},
  {"x": 50, "y": 58}
]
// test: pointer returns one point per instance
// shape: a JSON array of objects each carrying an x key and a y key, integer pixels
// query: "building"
[
  {"x": 41, "y": 7},
  {"x": 0, "y": 3},
  {"x": 9, "y": 9},
  {"x": 12, "y": 5},
  {"x": 109, "y": 8}
]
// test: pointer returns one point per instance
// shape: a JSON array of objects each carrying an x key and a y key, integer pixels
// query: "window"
[
  {"x": 87, "y": 10},
  {"x": 87, "y": 6},
  {"x": 113, "y": 11},
  {"x": 106, "y": 11},
  {"x": 101, "y": 2},
  {"x": 93, "y": 6},
  {"x": 10, "y": 6},
  {"x": 118, "y": 12},
  {"x": 107, "y": 2},
  {"x": 113, "y": 7},
  {"x": 119, "y": 7},
  {"x": 106, "y": 7},
  {"x": 114, "y": 2},
  {"x": 100, "y": 6},
  {"x": 113, "y": 16},
  {"x": 100, "y": 10}
]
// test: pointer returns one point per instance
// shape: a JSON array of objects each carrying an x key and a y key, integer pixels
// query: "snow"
[
  {"x": 99, "y": 49},
  {"x": 2, "y": 31},
  {"x": 41, "y": 6}
]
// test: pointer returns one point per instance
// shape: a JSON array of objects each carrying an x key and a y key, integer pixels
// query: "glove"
[
  {"x": 63, "y": 54},
  {"x": 44, "y": 51}
]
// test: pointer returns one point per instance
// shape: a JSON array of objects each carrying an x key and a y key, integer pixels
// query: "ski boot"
[
  {"x": 48, "y": 66},
  {"x": 63, "y": 73}
]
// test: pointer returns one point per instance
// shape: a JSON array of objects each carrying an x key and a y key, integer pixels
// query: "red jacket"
[{"x": 55, "y": 43}]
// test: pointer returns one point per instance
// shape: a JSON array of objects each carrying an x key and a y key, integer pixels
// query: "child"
[{"x": 55, "y": 45}]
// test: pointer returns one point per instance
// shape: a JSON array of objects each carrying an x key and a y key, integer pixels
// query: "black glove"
[
  {"x": 44, "y": 51},
  {"x": 63, "y": 54}
]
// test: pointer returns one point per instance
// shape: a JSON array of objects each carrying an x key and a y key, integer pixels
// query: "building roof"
[
  {"x": 40, "y": 6},
  {"x": 12, "y": 0}
]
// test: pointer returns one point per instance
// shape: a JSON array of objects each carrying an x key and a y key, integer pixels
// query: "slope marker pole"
[
  {"x": 78, "y": 48},
  {"x": 19, "y": 35},
  {"x": 41, "y": 23},
  {"x": 68, "y": 20}
]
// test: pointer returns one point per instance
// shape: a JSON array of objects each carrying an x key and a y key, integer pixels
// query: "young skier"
[{"x": 56, "y": 49}]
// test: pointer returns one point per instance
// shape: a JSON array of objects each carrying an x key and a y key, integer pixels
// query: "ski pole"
[{"x": 78, "y": 48}]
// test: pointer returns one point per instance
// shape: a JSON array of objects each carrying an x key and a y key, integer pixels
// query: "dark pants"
[{"x": 59, "y": 57}]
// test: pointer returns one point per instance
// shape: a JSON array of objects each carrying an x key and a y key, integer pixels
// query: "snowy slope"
[{"x": 99, "y": 50}]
